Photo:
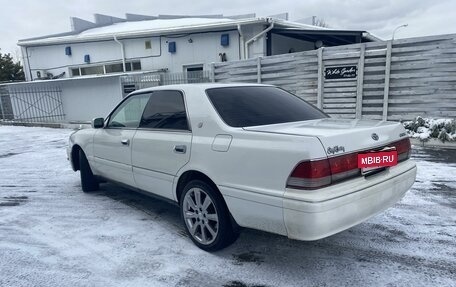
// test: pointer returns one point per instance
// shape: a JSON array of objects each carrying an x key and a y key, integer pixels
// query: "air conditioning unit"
[{"x": 42, "y": 74}]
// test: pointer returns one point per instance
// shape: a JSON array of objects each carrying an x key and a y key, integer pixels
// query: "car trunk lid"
[{"x": 340, "y": 136}]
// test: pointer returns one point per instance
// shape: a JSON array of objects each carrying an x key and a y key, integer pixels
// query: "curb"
[
  {"x": 433, "y": 143},
  {"x": 41, "y": 125},
  {"x": 48, "y": 125}
]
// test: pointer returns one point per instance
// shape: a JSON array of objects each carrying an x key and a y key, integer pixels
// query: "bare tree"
[{"x": 320, "y": 22}]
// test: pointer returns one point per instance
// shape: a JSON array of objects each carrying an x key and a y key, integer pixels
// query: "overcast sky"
[{"x": 30, "y": 18}]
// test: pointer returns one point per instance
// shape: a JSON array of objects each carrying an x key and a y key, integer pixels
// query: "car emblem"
[
  {"x": 374, "y": 136},
  {"x": 335, "y": 149}
]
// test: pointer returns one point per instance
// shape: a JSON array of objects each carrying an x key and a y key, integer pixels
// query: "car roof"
[{"x": 200, "y": 86}]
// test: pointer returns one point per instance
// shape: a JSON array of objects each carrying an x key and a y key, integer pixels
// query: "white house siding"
[
  {"x": 203, "y": 49},
  {"x": 258, "y": 47},
  {"x": 52, "y": 58}
]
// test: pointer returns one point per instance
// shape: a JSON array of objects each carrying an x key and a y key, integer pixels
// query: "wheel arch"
[
  {"x": 190, "y": 175},
  {"x": 75, "y": 157}
]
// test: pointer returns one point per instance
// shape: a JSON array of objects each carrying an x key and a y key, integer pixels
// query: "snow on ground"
[{"x": 53, "y": 234}]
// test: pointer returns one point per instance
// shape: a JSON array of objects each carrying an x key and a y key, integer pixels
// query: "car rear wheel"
[
  {"x": 206, "y": 217},
  {"x": 88, "y": 180}
]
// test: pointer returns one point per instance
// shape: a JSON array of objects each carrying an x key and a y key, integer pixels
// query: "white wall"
[
  {"x": 25, "y": 64},
  {"x": 204, "y": 49},
  {"x": 258, "y": 47},
  {"x": 81, "y": 99},
  {"x": 85, "y": 99},
  {"x": 53, "y": 59}
]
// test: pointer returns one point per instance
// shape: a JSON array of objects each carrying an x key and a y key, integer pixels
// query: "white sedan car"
[{"x": 254, "y": 156}]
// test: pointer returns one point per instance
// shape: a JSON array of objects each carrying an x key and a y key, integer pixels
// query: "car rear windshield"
[{"x": 255, "y": 106}]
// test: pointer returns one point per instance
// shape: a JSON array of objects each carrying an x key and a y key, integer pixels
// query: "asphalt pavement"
[{"x": 53, "y": 234}]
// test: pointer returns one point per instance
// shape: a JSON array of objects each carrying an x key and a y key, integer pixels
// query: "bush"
[{"x": 425, "y": 129}]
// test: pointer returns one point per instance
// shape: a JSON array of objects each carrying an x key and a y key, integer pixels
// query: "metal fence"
[
  {"x": 31, "y": 103},
  {"x": 135, "y": 82},
  {"x": 185, "y": 78}
]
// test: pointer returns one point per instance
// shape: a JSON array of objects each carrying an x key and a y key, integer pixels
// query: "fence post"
[
  {"x": 360, "y": 83},
  {"x": 2, "y": 117},
  {"x": 259, "y": 70},
  {"x": 320, "y": 79},
  {"x": 213, "y": 72},
  {"x": 389, "y": 46}
]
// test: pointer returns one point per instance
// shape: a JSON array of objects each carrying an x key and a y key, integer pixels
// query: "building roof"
[{"x": 123, "y": 28}]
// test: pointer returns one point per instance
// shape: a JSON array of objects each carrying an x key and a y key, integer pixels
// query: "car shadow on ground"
[{"x": 361, "y": 247}]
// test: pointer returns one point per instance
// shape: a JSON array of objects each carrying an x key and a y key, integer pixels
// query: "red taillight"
[
  {"x": 320, "y": 173},
  {"x": 343, "y": 163},
  {"x": 403, "y": 148},
  {"x": 344, "y": 166},
  {"x": 310, "y": 175}
]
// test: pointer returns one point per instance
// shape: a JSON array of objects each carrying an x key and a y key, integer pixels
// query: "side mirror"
[{"x": 98, "y": 123}]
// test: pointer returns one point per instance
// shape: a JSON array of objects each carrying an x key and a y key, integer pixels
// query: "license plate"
[{"x": 374, "y": 160}]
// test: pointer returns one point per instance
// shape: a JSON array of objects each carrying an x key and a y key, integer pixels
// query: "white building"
[{"x": 170, "y": 43}]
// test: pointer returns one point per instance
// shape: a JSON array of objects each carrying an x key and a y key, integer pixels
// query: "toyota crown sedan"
[{"x": 245, "y": 155}]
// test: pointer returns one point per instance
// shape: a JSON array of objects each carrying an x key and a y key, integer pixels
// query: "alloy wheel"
[{"x": 200, "y": 216}]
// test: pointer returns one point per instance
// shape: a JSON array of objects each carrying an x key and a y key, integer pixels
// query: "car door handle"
[
  {"x": 125, "y": 142},
  {"x": 180, "y": 149}
]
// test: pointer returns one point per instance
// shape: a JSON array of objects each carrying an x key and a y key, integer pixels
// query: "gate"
[{"x": 31, "y": 103}]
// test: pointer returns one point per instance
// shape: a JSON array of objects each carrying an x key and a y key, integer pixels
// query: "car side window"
[
  {"x": 128, "y": 114},
  {"x": 165, "y": 110}
]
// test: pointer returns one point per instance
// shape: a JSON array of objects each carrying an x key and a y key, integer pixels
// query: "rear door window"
[
  {"x": 255, "y": 106},
  {"x": 165, "y": 110}
]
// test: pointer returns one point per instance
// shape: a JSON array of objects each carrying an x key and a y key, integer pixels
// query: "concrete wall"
[
  {"x": 81, "y": 98},
  {"x": 86, "y": 99},
  {"x": 203, "y": 48},
  {"x": 64, "y": 100}
]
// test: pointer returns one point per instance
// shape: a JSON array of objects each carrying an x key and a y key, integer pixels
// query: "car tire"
[
  {"x": 88, "y": 180},
  {"x": 207, "y": 219}
]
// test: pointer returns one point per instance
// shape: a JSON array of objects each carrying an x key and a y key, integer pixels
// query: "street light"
[{"x": 397, "y": 28}]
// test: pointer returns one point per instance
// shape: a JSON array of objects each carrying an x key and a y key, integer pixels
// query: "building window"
[
  {"x": 136, "y": 66},
  {"x": 148, "y": 44},
  {"x": 105, "y": 69},
  {"x": 114, "y": 68},
  {"x": 93, "y": 70},
  {"x": 133, "y": 66},
  {"x": 194, "y": 73},
  {"x": 75, "y": 72}
]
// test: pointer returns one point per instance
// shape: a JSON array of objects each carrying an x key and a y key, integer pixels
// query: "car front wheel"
[{"x": 206, "y": 216}]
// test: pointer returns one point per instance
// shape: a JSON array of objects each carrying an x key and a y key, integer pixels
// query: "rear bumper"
[{"x": 311, "y": 215}]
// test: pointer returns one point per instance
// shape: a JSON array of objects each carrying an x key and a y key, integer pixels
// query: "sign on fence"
[{"x": 341, "y": 72}]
